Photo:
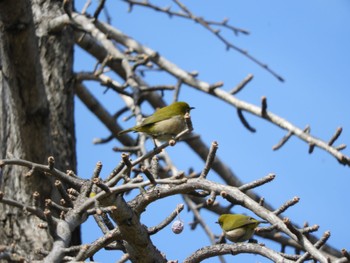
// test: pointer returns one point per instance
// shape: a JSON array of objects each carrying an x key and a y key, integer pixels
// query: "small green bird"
[
  {"x": 165, "y": 123},
  {"x": 237, "y": 227}
]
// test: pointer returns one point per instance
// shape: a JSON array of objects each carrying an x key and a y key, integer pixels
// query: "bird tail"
[{"x": 124, "y": 131}]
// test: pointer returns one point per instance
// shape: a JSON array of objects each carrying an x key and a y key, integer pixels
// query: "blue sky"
[{"x": 307, "y": 42}]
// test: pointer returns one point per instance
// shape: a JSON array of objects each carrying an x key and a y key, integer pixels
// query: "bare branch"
[
  {"x": 149, "y": 175},
  {"x": 63, "y": 193},
  {"x": 73, "y": 181},
  {"x": 97, "y": 170},
  {"x": 98, "y": 182},
  {"x": 241, "y": 85},
  {"x": 166, "y": 221},
  {"x": 257, "y": 183},
  {"x": 318, "y": 244},
  {"x": 226, "y": 42},
  {"x": 171, "y": 13},
  {"x": 34, "y": 210},
  {"x": 129, "y": 65},
  {"x": 264, "y": 107},
  {"x": 221, "y": 94},
  {"x": 244, "y": 121},
  {"x": 282, "y": 141},
  {"x": 210, "y": 159},
  {"x": 99, "y": 8},
  {"x": 335, "y": 136},
  {"x": 99, "y": 244},
  {"x": 286, "y": 205},
  {"x": 234, "y": 249}
]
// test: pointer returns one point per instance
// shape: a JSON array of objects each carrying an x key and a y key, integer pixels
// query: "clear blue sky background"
[{"x": 307, "y": 42}]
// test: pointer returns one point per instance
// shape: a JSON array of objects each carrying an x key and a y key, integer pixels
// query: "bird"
[
  {"x": 165, "y": 123},
  {"x": 237, "y": 227}
]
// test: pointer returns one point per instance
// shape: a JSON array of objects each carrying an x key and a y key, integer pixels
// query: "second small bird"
[
  {"x": 238, "y": 228},
  {"x": 165, "y": 123}
]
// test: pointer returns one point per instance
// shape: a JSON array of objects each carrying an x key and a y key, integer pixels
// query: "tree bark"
[{"x": 37, "y": 113}]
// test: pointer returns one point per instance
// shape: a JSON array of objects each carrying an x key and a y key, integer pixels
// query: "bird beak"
[{"x": 191, "y": 108}]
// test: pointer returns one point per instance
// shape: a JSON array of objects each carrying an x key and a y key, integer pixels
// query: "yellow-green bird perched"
[
  {"x": 238, "y": 228},
  {"x": 165, "y": 123}
]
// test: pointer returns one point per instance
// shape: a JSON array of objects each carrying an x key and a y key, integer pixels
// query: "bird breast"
[
  {"x": 239, "y": 234},
  {"x": 169, "y": 128}
]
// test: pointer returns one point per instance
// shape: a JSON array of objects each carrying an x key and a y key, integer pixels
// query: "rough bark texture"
[{"x": 36, "y": 119}]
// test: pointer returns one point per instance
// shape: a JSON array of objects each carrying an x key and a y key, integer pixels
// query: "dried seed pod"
[{"x": 177, "y": 226}]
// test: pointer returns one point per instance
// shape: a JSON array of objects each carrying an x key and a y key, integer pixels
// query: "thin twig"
[
  {"x": 286, "y": 205},
  {"x": 97, "y": 170},
  {"x": 166, "y": 221},
  {"x": 99, "y": 183},
  {"x": 318, "y": 244},
  {"x": 228, "y": 44},
  {"x": 63, "y": 193},
  {"x": 34, "y": 210},
  {"x": 73, "y": 181},
  {"x": 263, "y": 106},
  {"x": 335, "y": 136},
  {"x": 210, "y": 201},
  {"x": 309, "y": 229},
  {"x": 207, "y": 25},
  {"x": 282, "y": 141},
  {"x": 257, "y": 183},
  {"x": 171, "y": 13},
  {"x": 241, "y": 85},
  {"x": 149, "y": 175},
  {"x": 99, "y": 8},
  {"x": 210, "y": 159},
  {"x": 244, "y": 121}
]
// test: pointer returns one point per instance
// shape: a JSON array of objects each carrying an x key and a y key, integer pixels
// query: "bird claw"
[{"x": 252, "y": 240}]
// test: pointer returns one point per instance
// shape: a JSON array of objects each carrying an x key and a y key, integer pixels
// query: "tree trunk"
[{"x": 37, "y": 113}]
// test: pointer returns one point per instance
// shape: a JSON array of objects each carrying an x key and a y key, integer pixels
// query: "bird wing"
[
  {"x": 159, "y": 115},
  {"x": 243, "y": 222}
]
